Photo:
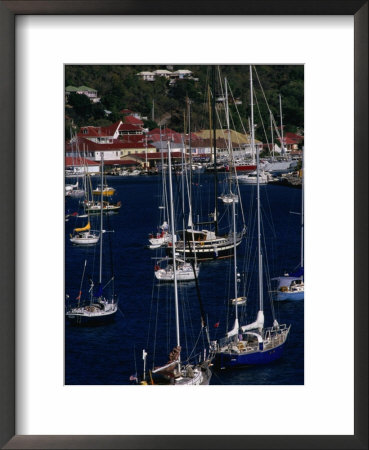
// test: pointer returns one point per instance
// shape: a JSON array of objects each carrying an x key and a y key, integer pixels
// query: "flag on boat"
[
  {"x": 216, "y": 325},
  {"x": 79, "y": 295},
  {"x": 86, "y": 228}
]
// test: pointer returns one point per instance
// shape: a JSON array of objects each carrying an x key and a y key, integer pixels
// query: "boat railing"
[{"x": 223, "y": 342}]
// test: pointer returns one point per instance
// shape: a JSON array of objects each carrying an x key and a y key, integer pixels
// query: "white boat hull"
[
  {"x": 183, "y": 274},
  {"x": 251, "y": 180},
  {"x": 84, "y": 241},
  {"x": 160, "y": 241},
  {"x": 86, "y": 238},
  {"x": 90, "y": 315}
]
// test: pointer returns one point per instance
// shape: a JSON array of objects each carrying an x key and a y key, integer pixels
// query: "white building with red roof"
[
  {"x": 291, "y": 141},
  {"x": 112, "y": 151},
  {"x": 129, "y": 129},
  {"x": 103, "y": 135}
]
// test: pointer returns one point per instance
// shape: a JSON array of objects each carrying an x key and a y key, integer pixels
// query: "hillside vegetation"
[{"x": 119, "y": 87}]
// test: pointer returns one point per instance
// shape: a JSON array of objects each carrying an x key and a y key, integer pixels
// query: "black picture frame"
[{"x": 8, "y": 11}]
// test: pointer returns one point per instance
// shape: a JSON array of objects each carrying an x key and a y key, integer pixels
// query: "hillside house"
[
  {"x": 146, "y": 76},
  {"x": 83, "y": 90},
  {"x": 162, "y": 73}
]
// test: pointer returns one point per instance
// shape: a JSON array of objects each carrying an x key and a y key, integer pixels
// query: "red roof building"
[
  {"x": 112, "y": 151},
  {"x": 128, "y": 128},
  {"x": 132, "y": 138},
  {"x": 133, "y": 120},
  {"x": 79, "y": 161},
  {"x": 166, "y": 135},
  {"x": 291, "y": 141},
  {"x": 101, "y": 134}
]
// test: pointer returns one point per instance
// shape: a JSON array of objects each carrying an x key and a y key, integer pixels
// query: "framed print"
[{"x": 52, "y": 411}]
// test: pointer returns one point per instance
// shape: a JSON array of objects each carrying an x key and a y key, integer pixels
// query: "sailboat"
[
  {"x": 162, "y": 237},
  {"x": 281, "y": 164},
  {"x": 76, "y": 192},
  {"x": 98, "y": 308},
  {"x": 251, "y": 343},
  {"x": 84, "y": 235},
  {"x": 94, "y": 207},
  {"x": 228, "y": 198},
  {"x": 255, "y": 177},
  {"x": 69, "y": 188},
  {"x": 291, "y": 285},
  {"x": 175, "y": 372},
  {"x": 185, "y": 270},
  {"x": 208, "y": 244},
  {"x": 107, "y": 191},
  {"x": 103, "y": 188}
]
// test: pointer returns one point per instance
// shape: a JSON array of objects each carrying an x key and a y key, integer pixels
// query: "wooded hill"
[{"x": 119, "y": 87}]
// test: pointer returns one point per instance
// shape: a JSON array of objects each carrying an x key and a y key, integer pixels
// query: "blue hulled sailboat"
[{"x": 250, "y": 344}]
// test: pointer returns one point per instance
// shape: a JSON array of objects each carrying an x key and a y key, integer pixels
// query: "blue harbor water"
[{"x": 109, "y": 354}]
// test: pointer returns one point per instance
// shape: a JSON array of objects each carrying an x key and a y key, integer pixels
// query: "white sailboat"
[
  {"x": 185, "y": 270},
  {"x": 162, "y": 237},
  {"x": 255, "y": 177},
  {"x": 251, "y": 344},
  {"x": 175, "y": 372},
  {"x": 228, "y": 198},
  {"x": 98, "y": 308},
  {"x": 76, "y": 192},
  {"x": 283, "y": 163},
  {"x": 84, "y": 235},
  {"x": 69, "y": 188}
]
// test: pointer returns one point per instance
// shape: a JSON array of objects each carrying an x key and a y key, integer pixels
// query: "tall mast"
[
  {"x": 302, "y": 211},
  {"x": 251, "y": 146},
  {"x": 280, "y": 112},
  {"x": 231, "y": 161},
  {"x": 260, "y": 265},
  {"x": 101, "y": 215},
  {"x": 183, "y": 196},
  {"x": 146, "y": 152},
  {"x": 173, "y": 248},
  {"x": 235, "y": 258},
  {"x": 233, "y": 202},
  {"x": 163, "y": 178},
  {"x": 271, "y": 130},
  {"x": 190, "y": 143},
  {"x": 214, "y": 153}
]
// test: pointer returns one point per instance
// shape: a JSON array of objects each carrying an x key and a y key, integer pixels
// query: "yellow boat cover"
[{"x": 86, "y": 228}]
